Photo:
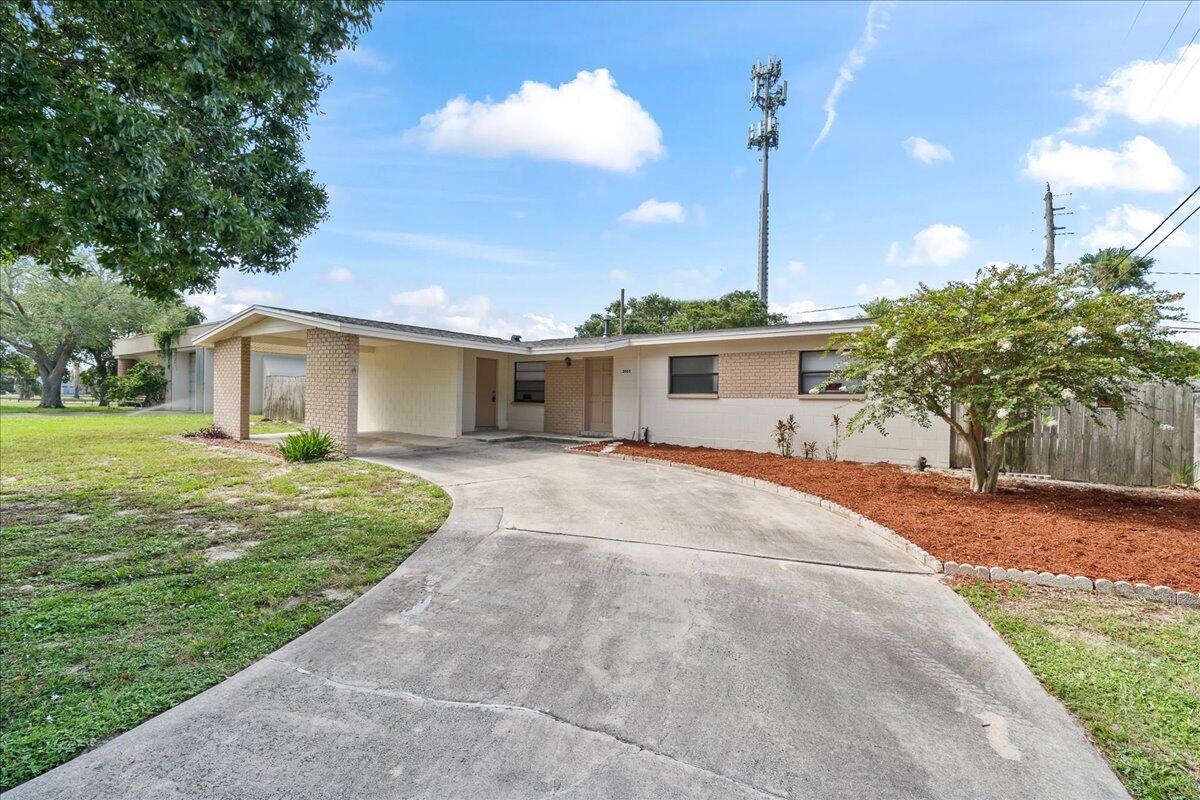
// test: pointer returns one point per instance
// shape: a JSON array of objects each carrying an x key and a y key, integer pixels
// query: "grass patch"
[
  {"x": 1130, "y": 671},
  {"x": 11, "y": 405},
  {"x": 140, "y": 570}
]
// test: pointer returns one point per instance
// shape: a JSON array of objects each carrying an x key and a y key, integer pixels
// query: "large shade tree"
[
  {"x": 655, "y": 313},
  {"x": 1007, "y": 348},
  {"x": 163, "y": 134},
  {"x": 52, "y": 319}
]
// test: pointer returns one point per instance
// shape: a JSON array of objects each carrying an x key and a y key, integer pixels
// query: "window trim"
[
  {"x": 516, "y": 372},
  {"x": 715, "y": 374},
  {"x": 802, "y": 373}
]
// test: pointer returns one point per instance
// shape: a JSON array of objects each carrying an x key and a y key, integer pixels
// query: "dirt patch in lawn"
[{"x": 1141, "y": 537}]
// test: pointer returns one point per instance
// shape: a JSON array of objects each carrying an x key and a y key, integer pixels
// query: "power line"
[
  {"x": 1136, "y": 17},
  {"x": 1177, "y": 227},
  {"x": 1172, "y": 34},
  {"x": 1182, "y": 52},
  {"x": 1160, "y": 272},
  {"x": 1133, "y": 250},
  {"x": 1183, "y": 82}
]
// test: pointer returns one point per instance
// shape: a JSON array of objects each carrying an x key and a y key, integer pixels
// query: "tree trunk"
[
  {"x": 986, "y": 459},
  {"x": 51, "y": 376},
  {"x": 101, "y": 360}
]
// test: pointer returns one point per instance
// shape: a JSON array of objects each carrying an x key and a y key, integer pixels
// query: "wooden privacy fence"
[
  {"x": 1148, "y": 450},
  {"x": 283, "y": 397}
]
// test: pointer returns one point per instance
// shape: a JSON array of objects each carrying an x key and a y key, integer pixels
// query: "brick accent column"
[
  {"x": 563, "y": 409},
  {"x": 231, "y": 386},
  {"x": 123, "y": 365},
  {"x": 771, "y": 373},
  {"x": 331, "y": 386}
]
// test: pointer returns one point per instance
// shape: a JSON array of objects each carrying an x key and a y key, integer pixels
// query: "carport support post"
[
  {"x": 331, "y": 386},
  {"x": 231, "y": 386}
]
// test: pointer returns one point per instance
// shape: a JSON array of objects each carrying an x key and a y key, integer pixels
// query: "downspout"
[{"x": 637, "y": 434}]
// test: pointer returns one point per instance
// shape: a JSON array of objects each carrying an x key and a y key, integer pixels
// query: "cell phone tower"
[{"x": 769, "y": 94}]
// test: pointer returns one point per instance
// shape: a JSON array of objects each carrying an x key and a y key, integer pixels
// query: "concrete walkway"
[{"x": 588, "y": 628}]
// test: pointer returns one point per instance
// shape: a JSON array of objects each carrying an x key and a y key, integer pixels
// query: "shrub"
[
  {"x": 208, "y": 432},
  {"x": 145, "y": 380},
  {"x": 810, "y": 450},
  {"x": 784, "y": 435},
  {"x": 310, "y": 445}
]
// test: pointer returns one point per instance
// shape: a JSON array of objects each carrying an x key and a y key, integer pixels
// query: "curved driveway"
[{"x": 592, "y": 628}]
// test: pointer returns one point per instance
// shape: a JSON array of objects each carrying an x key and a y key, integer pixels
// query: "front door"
[
  {"x": 599, "y": 395},
  {"x": 485, "y": 393}
]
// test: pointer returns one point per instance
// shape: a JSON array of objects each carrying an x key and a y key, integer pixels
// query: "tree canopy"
[
  {"x": 1008, "y": 347},
  {"x": 655, "y": 313},
  {"x": 1115, "y": 269},
  {"x": 52, "y": 319},
  {"x": 164, "y": 135}
]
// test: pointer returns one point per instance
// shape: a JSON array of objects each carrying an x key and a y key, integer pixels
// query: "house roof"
[{"x": 418, "y": 333}]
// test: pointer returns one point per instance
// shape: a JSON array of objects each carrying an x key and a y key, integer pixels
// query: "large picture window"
[
  {"x": 816, "y": 367},
  {"x": 529, "y": 382},
  {"x": 693, "y": 375}
]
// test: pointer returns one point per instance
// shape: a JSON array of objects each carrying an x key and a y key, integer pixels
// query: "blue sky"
[{"x": 490, "y": 166}]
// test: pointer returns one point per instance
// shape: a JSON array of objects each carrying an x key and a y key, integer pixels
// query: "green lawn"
[
  {"x": 1130, "y": 671},
  {"x": 11, "y": 405},
  {"x": 139, "y": 570}
]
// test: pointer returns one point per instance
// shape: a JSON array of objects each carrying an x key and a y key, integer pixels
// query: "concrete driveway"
[{"x": 589, "y": 628}]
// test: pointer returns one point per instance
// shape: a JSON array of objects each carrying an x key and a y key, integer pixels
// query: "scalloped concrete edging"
[{"x": 1140, "y": 591}]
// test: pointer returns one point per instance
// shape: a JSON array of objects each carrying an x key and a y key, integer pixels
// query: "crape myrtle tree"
[
  {"x": 163, "y": 135},
  {"x": 1007, "y": 348},
  {"x": 655, "y": 313}
]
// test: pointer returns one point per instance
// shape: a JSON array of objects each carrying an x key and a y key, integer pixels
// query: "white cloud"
[
  {"x": 926, "y": 151},
  {"x": 888, "y": 287},
  {"x": 361, "y": 56},
  {"x": 1127, "y": 225},
  {"x": 429, "y": 297},
  {"x": 337, "y": 275},
  {"x": 797, "y": 267},
  {"x": 618, "y": 275},
  {"x": 1140, "y": 165},
  {"x": 250, "y": 295},
  {"x": 1146, "y": 92},
  {"x": 432, "y": 307},
  {"x": 461, "y": 248},
  {"x": 805, "y": 311},
  {"x": 654, "y": 212},
  {"x": 937, "y": 245},
  {"x": 877, "y": 17},
  {"x": 586, "y": 121}
]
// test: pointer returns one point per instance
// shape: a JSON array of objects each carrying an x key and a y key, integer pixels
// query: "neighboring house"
[
  {"x": 191, "y": 368},
  {"x": 722, "y": 388}
]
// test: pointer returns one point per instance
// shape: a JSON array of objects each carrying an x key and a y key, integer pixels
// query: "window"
[
  {"x": 529, "y": 382},
  {"x": 693, "y": 375},
  {"x": 815, "y": 367}
]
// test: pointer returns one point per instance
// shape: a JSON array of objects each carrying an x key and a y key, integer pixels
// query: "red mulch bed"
[{"x": 1137, "y": 536}]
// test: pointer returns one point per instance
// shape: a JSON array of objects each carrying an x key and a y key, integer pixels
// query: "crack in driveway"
[
  {"x": 510, "y": 708},
  {"x": 693, "y": 548}
]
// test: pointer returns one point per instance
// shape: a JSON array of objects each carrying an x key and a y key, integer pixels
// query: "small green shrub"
[{"x": 310, "y": 445}]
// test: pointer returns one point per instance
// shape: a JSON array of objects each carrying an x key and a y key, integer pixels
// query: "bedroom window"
[
  {"x": 815, "y": 367},
  {"x": 693, "y": 375}
]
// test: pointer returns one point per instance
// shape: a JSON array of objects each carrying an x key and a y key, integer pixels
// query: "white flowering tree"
[{"x": 1007, "y": 348}]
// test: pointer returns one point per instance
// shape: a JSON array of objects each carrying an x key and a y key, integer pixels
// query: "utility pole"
[
  {"x": 769, "y": 94},
  {"x": 1051, "y": 228}
]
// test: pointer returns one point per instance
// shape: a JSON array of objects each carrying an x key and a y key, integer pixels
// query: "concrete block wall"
[
  {"x": 762, "y": 373},
  {"x": 331, "y": 385},
  {"x": 563, "y": 411},
  {"x": 745, "y": 423},
  {"x": 231, "y": 386},
  {"x": 412, "y": 388}
]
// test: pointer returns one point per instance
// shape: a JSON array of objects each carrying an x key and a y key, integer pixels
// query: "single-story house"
[
  {"x": 716, "y": 388},
  {"x": 191, "y": 368}
]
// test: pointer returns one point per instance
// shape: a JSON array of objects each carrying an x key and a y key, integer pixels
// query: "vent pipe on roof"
[
  {"x": 607, "y": 327},
  {"x": 516, "y": 337}
]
